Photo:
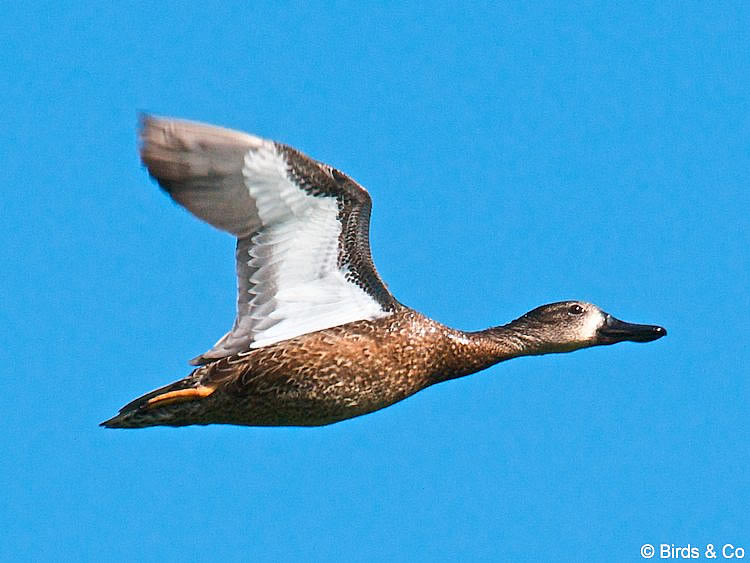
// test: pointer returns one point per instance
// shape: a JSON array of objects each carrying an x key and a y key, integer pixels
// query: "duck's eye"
[{"x": 575, "y": 309}]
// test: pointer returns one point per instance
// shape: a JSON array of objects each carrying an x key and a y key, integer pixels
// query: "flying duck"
[{"x": 318, "y": 337}]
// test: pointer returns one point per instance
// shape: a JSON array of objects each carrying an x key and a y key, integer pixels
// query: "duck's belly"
[{"x": 305, "y": 400}]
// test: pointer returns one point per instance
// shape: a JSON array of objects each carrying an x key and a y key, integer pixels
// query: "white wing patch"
[
  {"x": 290, "y": 281},
  {"x": 296, "y": 285}
]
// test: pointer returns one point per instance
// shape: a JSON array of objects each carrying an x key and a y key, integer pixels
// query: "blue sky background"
[{"x": 516, "y": 155}]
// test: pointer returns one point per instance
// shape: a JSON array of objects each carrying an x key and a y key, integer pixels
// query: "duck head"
[{"x": 569, "y": 325}]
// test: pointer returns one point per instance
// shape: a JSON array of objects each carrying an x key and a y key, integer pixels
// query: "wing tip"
[
  {"x": 186, "y": 134},
  {"x": 174, "y": 149}
]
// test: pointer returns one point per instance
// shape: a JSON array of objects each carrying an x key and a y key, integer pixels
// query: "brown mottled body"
[{"x": 325, "y": 376}]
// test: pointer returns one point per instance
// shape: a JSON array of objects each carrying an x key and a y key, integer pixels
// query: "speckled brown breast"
[{"x": 330, "y": 375}]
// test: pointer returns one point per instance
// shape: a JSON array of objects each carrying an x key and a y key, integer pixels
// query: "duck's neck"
[{"x": 479, "y": 350}]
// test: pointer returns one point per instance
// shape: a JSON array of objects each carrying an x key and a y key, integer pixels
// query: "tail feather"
[{"x": 139, "y": 413}]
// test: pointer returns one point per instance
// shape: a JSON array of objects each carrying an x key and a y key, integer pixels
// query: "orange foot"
[{"x": 182, "y": 395}]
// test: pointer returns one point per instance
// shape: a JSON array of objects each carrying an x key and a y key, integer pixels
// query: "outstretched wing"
[{"x": 302, "y": 228}]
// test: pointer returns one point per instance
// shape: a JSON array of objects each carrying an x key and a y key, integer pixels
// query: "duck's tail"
[{"x": 166, "y": 406}]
